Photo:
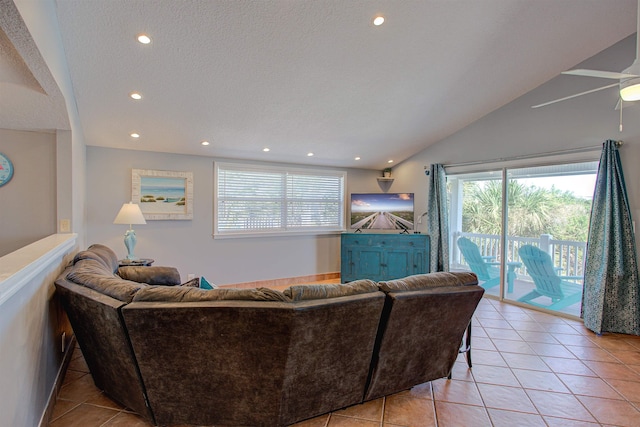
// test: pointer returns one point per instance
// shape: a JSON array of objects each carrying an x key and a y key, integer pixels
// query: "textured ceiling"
[
  {"x": 303, "y": 76},
  {"x": 29, "y": 96}
]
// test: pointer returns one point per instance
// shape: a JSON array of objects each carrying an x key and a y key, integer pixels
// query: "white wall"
[
  {"x": 31, "y": 320},
  {"x": 42, "y": 22},
  {"x": 29, "y": 200},
  {"x": 31, "y": 323},
  {"x": 516, "y": 129},
  {"x": 188, "y": 245}
]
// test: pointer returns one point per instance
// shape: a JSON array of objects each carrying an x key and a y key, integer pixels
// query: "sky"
[
  {"x": 382, "y": 202},
  {"x": 580, "y": 185}
]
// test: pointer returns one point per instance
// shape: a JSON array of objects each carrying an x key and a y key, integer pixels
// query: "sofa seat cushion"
[
  {"x": 191, "y": 294},
  {"x": 93, "y": 274},
  {"x": 429, "y": 280},
  {"x": 154, "y": 275},
  {"x": 320, "y": 291}
]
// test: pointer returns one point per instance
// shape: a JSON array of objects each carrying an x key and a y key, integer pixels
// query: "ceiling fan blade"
[
  {"x": 601, "y": 74},
  {"x": 575, "y": 95}
]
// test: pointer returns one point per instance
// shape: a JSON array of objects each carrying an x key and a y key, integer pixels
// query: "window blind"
[{"x": 251, "y": 199}]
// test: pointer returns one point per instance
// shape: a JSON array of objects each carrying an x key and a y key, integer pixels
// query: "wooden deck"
[{"x": 521, "y": 287}]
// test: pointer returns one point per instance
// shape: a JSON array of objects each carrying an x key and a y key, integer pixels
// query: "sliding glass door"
[
  {"x": 548, "y": 224},
  {"x": 476, "y": 226},
  {"x": 540, "y": 215}
]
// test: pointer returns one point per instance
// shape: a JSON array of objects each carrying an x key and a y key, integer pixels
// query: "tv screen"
[{"x": 382, "y": 211}]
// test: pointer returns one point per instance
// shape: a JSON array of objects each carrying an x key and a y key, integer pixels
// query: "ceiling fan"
[{"x": 628, "y": 79}]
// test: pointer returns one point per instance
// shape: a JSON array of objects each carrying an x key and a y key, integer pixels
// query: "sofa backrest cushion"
[
  {"x": 154, "y": 275},
  {"x": 430, "y": 280},
  {"x": 100, "y": 253},
  {"x": 191, "y": 294},
  {"x": 311, "y": 292},
  {"x": 253, "y": 363},
  {"x": 420, "y": 334},
  {"x": 100, "y": 332},
  {"x": 93, "y": 274}
]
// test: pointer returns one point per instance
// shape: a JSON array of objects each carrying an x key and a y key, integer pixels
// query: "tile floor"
[{"x": 529, "y": 369}]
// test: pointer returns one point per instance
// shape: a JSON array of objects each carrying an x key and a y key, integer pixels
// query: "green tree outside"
[{"x": 532, "y": 211}]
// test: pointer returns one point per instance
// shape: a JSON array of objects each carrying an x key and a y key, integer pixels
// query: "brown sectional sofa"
[{"x": 259, "y": 357}]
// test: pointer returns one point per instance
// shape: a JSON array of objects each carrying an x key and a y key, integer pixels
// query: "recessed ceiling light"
[
  {"x": 135, "y": 95},
  {"x": 205, "y": 143},
  {"x": 144, "y": 39},
  {"x": 309, "y": 154},
  {"x": 135, "y": 135},
  {"x": 378, "y": 20},
  {"x": 389, "y": 161},
  {"x": 357, "y": 158},
  {"x": 266, "y": 149}
]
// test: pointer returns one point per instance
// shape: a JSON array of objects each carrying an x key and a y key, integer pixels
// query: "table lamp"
[{"x": 130, "y": 213}]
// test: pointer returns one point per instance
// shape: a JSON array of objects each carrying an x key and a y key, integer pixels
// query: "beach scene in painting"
[{"x": 162, "y": 195}]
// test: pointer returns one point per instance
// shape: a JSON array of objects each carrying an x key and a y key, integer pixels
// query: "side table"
[{"x": 140, "y": 262}]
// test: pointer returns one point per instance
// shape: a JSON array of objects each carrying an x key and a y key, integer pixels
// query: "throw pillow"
[
  {"x": 153, "y": 275},
  {"x": 193, "y": 283},
  {"x": 204, "y": 284}
]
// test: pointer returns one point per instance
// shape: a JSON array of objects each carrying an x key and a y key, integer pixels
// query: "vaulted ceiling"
[{"x": 300, "y": 77}]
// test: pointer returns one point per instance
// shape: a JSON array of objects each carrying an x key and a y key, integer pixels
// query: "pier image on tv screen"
[{"x": 382, "y": 211}]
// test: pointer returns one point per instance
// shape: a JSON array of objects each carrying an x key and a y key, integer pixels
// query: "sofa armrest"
[{"x": 153, "y": 275}]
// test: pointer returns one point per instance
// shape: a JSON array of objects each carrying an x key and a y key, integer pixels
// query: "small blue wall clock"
[{"x": 6, "y": 169}]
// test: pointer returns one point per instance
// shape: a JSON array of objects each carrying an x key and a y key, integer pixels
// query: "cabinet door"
[
  {"x": 398, "y": 264},
  {"x": 369, "y": 263},
  {"x": 347, "y": 264},
  {"x": 420, "y": 263}
]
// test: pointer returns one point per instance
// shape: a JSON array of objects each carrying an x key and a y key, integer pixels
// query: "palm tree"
[{"x": 532, "y": 211}]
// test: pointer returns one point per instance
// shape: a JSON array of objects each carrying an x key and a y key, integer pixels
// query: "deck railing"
[{"x": 567, "y": 255}]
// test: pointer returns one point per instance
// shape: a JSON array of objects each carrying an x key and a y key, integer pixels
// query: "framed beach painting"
[{"x": 163, "y": 194}]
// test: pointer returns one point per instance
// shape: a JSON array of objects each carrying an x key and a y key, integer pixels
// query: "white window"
[{"x": 259, "y": 200}]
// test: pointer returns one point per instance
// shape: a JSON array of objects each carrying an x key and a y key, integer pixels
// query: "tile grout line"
[
  {"x": 433, "y": 404},
  {"x": 110, "y": 419},
  {"x": 522, "y": 387},
  {"x": 484, "y": 404},
  {"x": 571, "y": 392},
  {"x": 67, "y": 411}
]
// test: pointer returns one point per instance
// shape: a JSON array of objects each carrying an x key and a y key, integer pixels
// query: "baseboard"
[
  {"x": 288, "y": 281},
  {"x": 57, "y": 385}
]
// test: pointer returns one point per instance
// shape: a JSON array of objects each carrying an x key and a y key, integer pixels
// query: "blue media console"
[{"x": 382, "y": 256}]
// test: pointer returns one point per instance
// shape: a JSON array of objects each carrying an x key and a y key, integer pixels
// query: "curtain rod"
[{"x": 529, "y": 156}]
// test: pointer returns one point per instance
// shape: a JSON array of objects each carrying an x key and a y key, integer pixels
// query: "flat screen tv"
[{"x": 382, "y": 211}]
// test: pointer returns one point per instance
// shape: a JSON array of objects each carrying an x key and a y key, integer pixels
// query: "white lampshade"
[{"x": 130, "y": 213}]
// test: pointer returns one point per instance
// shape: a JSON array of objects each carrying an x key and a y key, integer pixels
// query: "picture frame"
[{"x": 163, "y": 195}]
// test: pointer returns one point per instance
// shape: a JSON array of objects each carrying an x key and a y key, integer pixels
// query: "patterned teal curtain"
[
  {"x": 611, "y": 298},
  {"x": 438, "y": 219}
]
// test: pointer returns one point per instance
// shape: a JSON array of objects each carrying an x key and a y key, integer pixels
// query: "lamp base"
[{"x": 130, "y": 241}]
